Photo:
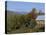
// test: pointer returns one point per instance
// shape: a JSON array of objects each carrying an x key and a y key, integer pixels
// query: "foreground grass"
[{"x": 15, "y": 24}]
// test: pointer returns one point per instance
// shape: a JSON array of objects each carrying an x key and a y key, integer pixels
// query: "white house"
[{"x": 40, "y": 21}]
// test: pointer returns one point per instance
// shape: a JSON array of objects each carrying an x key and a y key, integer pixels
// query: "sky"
[{"x": 24, "y": 6}]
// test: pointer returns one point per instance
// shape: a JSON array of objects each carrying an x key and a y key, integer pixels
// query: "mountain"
[
  {"x": 17, "y": 12},
  {"x": 22, "y": 12}
]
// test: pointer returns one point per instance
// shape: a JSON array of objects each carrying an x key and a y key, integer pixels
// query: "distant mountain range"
[
  {"x": 22, "y": 12},
  {"x": 11, "y": 12}
]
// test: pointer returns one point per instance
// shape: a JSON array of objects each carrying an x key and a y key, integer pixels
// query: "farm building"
[{"x": 40, "y": 21}]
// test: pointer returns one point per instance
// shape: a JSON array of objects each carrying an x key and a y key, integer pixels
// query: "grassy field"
[{"x": 16, "y": 24}]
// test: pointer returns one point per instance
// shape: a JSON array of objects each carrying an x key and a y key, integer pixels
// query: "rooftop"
[{"x": 41, "y": 17}]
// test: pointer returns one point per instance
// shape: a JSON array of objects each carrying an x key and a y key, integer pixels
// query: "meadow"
[{"x": 21, "y": 23}]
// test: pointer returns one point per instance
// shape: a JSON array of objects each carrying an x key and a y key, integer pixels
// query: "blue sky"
[{"x": 24, "y": 6}]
